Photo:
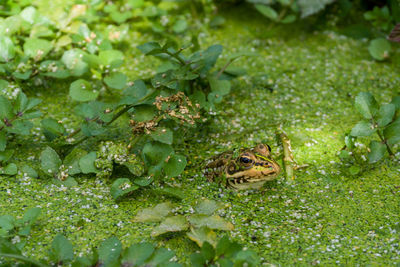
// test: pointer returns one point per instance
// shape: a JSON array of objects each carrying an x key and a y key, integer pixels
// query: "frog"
[{"x": 243, "y": 168}]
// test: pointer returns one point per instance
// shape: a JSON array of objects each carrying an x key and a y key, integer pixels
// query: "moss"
[{"x": 322, "y": 217}]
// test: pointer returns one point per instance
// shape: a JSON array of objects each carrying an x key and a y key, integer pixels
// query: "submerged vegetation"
[{"x": 109, "y": 111}]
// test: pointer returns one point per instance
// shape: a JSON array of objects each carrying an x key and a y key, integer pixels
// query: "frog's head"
[{"x": 252, "y": 168}]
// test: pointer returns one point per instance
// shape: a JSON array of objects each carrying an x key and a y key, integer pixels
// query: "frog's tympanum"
[{"x": 243, "y": 168}]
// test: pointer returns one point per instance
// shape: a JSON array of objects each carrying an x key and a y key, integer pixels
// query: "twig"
[{"x": 288, "y": 159}]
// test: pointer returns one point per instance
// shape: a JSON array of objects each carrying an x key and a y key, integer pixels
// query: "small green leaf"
[
  {"x": 212, "y": 222},
  {"x": 28, "y": 170},
  {"x": 354, "y": 169},
  {"x": 180, "y": 26},
  {"x": 149, "y": 47},
  {"x": 198, "y": 260},
  {"x": 122, "y": 187},
  {"x": 71, "y": 161},
  {"x": 363, "y": 128},
  {"x": 144, "y": 113},
  {"x": 116, "y": 80},
  {"x": 207, "y": 207},
  {"x": 31, "y": 215},
  {"x": 201, "y": 235},
  {"x": 52, "y": 128},
  {"x": 156, "y": 152},
  {"x": 50, "y": 161},
  {"x": 21, "y": 127},
  {"x": 143, "y": 181},
  {"x": 344, "y": 154},
  {"x": 366, "y": 104},
  {"x": 174, "y": 192},
  {"x": 155, "y": 214},
  {"x": 111, "y": 58},
  {"x": 37, "y": 48},
  {"x": 380, "y": 48},
  {"x": 109, "y": 251},
  {"x": 137, "y": 254},
  {"x": 171, "y": 224},
  {"x": 377, "y": 151},
  {"x": 61, "y": 249},
  {"x": 267, "y": 11},
  {"x": 396, "y": 100},
  {"x": 349, "y": 141},
  {"x": 137, "y": 90},
  {"x": 81, "y": 90},
  {"x": 73, "y": 60},
  {"x": 86, "y": 163},
  {"x": 3, "y": 140},
  {"x": 6, "y": 109},
  {"x": 208, "y": 251},
  {"x": 289, "y": 19},
  {"x": 7, "y": 49},
  {"x": 160, "y": 257},
  {"x": 392, "y": 132},
  {"x": 163, "y": 135},
  {"x": 385, "y": 114},
  {"x": 220, "y": 87},
  {"x": 6, "y": 155},
  {"x": 175, "y": 165},
  {"x": 7, "y": 222},
  {"x": 10, "y": 169}
]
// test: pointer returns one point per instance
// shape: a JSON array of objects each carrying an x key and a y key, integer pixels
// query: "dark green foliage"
[{"x": 380, "y": 121}]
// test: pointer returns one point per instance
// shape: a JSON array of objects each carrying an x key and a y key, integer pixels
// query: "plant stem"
[
  {"x": 288, "y": 161},
  {"x": 183, "y": 63},
  {"x": 224, "y": 68},
  {"x": 23, "y": 258},
  {"x": 385, "y": 142}
]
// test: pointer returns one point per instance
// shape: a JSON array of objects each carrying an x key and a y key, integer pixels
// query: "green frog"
[{"x": 243, "y": 168}]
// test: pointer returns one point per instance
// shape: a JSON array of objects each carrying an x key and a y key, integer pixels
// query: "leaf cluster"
[
  {"x": 198, "y": 226},
  {"x": 382, "y": 121}
]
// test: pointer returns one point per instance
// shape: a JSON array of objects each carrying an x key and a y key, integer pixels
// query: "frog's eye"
[{"x": 245, "y": 160}]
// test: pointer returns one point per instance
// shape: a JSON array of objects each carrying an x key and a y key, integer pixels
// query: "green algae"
[{"x": 322, "y": 217}]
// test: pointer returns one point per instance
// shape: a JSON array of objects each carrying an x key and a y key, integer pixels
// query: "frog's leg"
[{"x": 289, "y": 164}]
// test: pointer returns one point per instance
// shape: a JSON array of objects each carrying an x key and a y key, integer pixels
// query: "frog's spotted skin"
[{"x": 244, "y": 168}]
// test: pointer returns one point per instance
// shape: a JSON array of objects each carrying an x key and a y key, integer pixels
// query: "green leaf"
[
  {"x": 7, "y": 50},
  {"x": 267, "y": 11},
  {"x": 174, "y": 192},
  {"x": 380, "y": 48},
  {"x": 377, "y": 151},
  {"x": 50, "y": 161},
  {"x": 81, "y": 90},
  {"x": 171, "y": 224},
  {"x": 354, "y": 169},
  {"x": 198, "y": 260},
  {"x": 207, "y": 207},
  {"x": 3, "y": 140},
  {"x": 155, "y": 214},
  {"x": 116, "y": 80},
  {"x": 349, "y": 141},
  {"x": 37, "y": 48},
  {"x": 289, "y": 19},
  {"x": 61, "y": 249},
  {"x": 55, "y": 69},
  {"x": 149, "y": 48},
  {"x": 212, "y": 222},
  {"x": 310, "y": 7},
  {"x": 392, "y": 132},
  {"x": 226, "y": 247},
  {"x": 175, "y": 165},
  {"x": 144, "y": 113},
  {"x": 366, "y": 104},
  {"x": 10, "y": 169},
  {"x": 6, "y": 109},
  {"x": 122, "y": 187},
  {"x": 138, "y": 90},
  {"x": 21, "y": 127},
  {"x": 160, "y": 257},
  {"x": 109, "y": 251},
  {"x": 363, "y": 128},
  {"x": 163, "y": 135},
  {"x": 73, "y": 60},
  {"x": 31, "y": 172},
  {"x": 6, "y": 155},
  {"x": 156, "y": 152},
  {"x": 201, "y": 235},
  {"x": 52, "y": 128},
  {"x": 86, "y": 163},
  {"x": 143, "y": 181},
  {"x": 31, "y": 215},
  {"x": 207, "y": 250},
  {"x": 137, "y": 254},
  {"x": 7, "y": 222},
  {"x": 71, "y": 161},
  {"x": 220, "y": 87},
  {"x": 396, "y": 101},
  {"x": 210, "y": 56},
  {"x": 111, "y": 58},
  {"x": 385, "y": 114},
  {"x": 180, "y": 26}
]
